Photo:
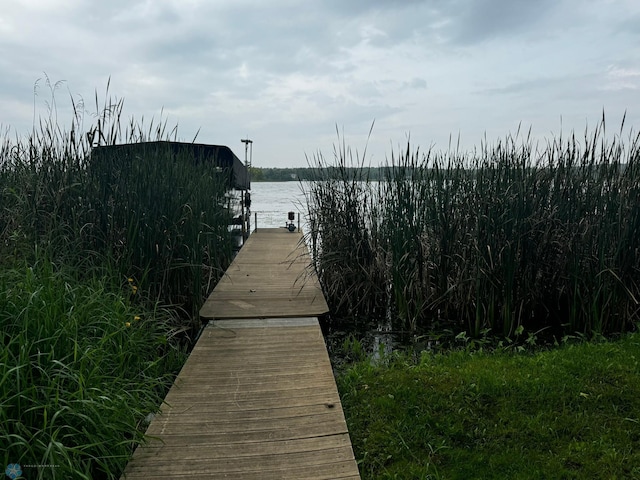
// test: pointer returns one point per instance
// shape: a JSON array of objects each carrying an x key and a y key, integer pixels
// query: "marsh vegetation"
[
  {"x": 517, "y": 270},
  {"x": 509, "y": 240},
  {"x": 104, "y": 263}
]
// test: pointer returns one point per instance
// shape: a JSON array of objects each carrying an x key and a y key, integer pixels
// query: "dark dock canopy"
[{"x": 219, "y": 156}]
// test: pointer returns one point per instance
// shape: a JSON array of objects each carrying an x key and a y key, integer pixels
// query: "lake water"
[{"x": 271, "y": 201}]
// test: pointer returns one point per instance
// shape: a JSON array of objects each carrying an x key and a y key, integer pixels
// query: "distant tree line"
[
  {"x": 312, "y": 173},
  {"x": 356, "y": 173}
]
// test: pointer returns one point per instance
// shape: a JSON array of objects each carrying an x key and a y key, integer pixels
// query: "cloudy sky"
[{"x": 286, "y": 73}]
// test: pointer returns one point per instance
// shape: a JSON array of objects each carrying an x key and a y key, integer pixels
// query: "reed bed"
[
  {"x": 156, "y": 216},
  {"x": 507, "y": 240},
  {"x": 163, "y": 218},
  {"x": 104, "y": 263}
]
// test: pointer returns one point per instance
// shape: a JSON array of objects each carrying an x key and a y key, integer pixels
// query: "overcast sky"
[{"x": 285, "y": 73}]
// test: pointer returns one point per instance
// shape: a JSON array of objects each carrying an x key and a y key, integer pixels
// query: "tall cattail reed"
[
  {"x": 502, "y": 239},
  {"x": 93, "y": 248},
  {"x": 344, "y": 217},
  {"x": 157, "y": 217}
]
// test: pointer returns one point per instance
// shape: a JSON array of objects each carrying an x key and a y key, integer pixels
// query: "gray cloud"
[
  {"x": 482, "y": 20},
  {"x": 285, "y": 72},
  {"x": 630, "y": 24}
]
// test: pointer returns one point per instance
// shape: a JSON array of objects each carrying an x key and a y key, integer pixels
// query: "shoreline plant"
[
  {"x": 155, "y": 215},
  {"x": 503, "y": 240},
  {"x": 104, "y": 263},
  {"x": 82, "y": 365}
]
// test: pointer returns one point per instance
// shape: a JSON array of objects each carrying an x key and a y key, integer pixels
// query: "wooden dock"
[
  {"x": 268, "y": 278},
  {"x": 256, "y": 398}
]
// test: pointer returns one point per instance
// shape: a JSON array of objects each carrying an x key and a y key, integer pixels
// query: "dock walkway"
[
  {"x": 268, "y": 278},
  {"x": 256, "y": 398}
]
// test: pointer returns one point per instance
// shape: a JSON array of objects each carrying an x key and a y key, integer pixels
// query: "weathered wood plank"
[
  {"x": 253, "y": 402},
  {"x": 294, "y": 427},
  {"x": 245, "y": 407},
  {"x": 268, "y": 278},
  {"x": 229, "y": 414},
  {"x": 235, "y": 463},
  {"x": 240, "y": 440},
  {"x": 256, "y": 398},
  {"x": 156, "y": 445},
  {"x": 338, "y": 471}
]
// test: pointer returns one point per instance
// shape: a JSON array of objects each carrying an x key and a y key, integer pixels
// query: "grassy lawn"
[{"x": 570, "y": 412}]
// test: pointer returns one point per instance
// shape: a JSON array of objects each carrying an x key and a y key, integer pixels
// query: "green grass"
[
  {"x": 572, "y": 412},
  {"x": 82, "y": 363}
]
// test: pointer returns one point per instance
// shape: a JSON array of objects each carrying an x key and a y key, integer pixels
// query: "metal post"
[
  {"x": 255, "y": 221},
  {"x": 243, "y": 222},
  {"x": 298, "y": 221},
  {"x": 247, "y": 142},
  {"x": 246, "y": 229}
]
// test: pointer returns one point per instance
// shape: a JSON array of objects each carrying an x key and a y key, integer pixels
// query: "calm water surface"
[{"x": 271, "y": 201}]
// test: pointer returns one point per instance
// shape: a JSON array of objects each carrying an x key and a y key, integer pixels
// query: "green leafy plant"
[{"x": 81, "y": 365}]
